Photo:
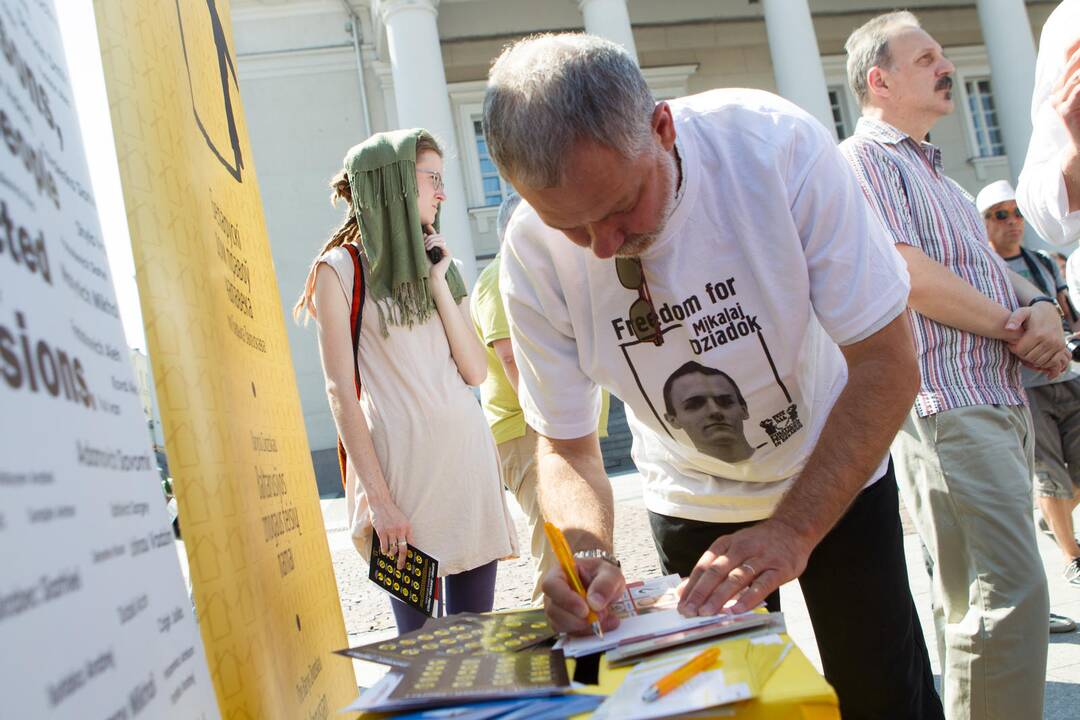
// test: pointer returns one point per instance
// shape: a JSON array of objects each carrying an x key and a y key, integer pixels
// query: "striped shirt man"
[{"x": 903, "y": 179}]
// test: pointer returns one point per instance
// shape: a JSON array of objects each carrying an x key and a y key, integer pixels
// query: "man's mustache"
[{"x": 945, "y": 83}]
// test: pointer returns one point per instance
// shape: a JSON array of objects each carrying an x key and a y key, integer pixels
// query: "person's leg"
[
  {"x": 857, "y": 592},
  {"x": 1055, "y": 414},
  {"x": 519, "y": 473},
  {"x": 969, "y": 483},
  {"x": 406, "y": 618},
  {"x": 680, "y": 543},
  {"x": 471, "y": 591}
]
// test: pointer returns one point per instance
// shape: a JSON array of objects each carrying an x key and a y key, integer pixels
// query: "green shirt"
[{"x": 497, "y": 394}]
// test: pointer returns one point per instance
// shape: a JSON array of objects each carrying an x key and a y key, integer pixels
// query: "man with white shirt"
[
  {"x": 1049, "y": 189},
  {"x": 722, "y": 229}
]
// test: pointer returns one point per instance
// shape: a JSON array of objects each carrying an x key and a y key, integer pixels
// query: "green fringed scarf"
[{"x": 382, "y": 178}]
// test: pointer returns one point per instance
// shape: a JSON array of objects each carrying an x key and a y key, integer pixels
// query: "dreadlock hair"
[{"x": 348, "y": 232}]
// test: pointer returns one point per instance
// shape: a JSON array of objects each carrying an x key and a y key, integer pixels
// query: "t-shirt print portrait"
[{"x": 689, "y": 359}]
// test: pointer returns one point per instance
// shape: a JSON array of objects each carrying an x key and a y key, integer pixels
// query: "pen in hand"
[{"x": 566, "y": 561}]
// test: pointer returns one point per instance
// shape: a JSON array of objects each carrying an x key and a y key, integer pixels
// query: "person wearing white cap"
[{"x": 1055, "y": 404}]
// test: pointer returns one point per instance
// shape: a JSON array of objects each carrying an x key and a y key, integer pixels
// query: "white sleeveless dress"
[{"x": 431, "y": 439}]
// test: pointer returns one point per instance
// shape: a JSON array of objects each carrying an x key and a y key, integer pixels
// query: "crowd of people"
[{"x": 822, "y": 305}]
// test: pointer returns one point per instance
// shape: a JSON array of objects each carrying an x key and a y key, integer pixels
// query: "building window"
[
  {"x": 839, "y": 113},
  {"x": 493, "y": 185},
  {"x": 984, "y": 118}
]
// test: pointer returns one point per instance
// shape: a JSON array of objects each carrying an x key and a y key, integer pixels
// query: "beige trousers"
[
  {"x": 965, "y": 475},
  {"x": 518, "y": 458}
]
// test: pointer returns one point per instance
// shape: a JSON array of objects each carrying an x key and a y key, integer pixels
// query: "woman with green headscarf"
[{"x": 419, "y": 464}]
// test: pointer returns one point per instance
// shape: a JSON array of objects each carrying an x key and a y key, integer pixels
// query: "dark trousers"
[
  {"x": 856, "y": 590},
  {"x": 470, "y": 591}
]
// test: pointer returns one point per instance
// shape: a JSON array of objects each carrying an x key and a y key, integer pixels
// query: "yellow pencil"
[
  {"x": 697, "y": 664},
  {"x": 566, "y": 560}
]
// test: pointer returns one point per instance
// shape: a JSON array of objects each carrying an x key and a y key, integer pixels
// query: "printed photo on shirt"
[{"x": 706, "y": 404}]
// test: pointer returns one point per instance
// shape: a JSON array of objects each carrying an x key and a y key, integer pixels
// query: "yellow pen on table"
[
  {"x": 566, "y": 560},
  {"x": 696, "y": 665}
]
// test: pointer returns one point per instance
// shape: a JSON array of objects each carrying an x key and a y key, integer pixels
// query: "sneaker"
[
  {"x": 1072, "y": 572},
  {"x": 1061, "y": 624},
  {"x": 1044, "y": 527}
]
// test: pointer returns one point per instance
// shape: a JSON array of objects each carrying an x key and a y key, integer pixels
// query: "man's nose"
[
  {"x": 605, "y": 238},
  {"x": 946, "y": 67}
]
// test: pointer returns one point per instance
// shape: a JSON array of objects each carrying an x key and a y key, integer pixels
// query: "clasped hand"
[{"x": 1035, "y": 336}]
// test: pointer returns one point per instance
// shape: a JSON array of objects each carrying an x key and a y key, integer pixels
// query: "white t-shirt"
[
  {"x": 1041, "y": 191},
  {"x": 771, "y": 257}
]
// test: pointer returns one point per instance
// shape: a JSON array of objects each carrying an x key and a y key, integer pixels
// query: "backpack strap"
[
  {"x": 1037, "y": 276},
  {"x": 1048, "y": 263},
  {"x": 356, "y": 314}
]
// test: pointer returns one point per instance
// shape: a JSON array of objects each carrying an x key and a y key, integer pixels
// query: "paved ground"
[{"x": 368, "y": 618}]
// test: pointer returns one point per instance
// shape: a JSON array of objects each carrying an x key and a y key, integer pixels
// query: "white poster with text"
[{"x": 95, "y": 621}]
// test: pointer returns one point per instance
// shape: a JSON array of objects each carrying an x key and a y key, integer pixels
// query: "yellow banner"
[{"x": 264, "y": 587}]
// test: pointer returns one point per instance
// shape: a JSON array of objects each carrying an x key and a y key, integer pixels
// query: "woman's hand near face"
[{"x": 432, "y": 240}]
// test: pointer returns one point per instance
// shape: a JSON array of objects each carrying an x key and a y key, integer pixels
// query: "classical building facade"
[{"x": 318, "y": 76}]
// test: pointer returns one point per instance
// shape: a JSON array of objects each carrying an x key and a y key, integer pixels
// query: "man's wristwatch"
[
  {"x": 598, "y": 553},
  {"x": 1046, "y": 299}
]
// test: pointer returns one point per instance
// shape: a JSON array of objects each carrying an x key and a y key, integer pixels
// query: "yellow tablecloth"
[{"x": 796, "y": 691}]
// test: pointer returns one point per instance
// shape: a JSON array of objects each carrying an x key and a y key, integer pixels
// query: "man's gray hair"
[
  {"x": 547, "y": 92},
  {"x": 506, "y": 211},
  {"x": 868, "y": 47}
]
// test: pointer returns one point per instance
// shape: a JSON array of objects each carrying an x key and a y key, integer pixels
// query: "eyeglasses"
[
  {"x": 436, "y": 178},
  {"x": 1003, "y": 214},
  {"x": 644, "y": 322}
]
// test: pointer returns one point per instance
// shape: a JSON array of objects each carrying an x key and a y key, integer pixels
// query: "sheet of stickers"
[
  {"x": 477, "y": 677},
  {"x": 462, "y": 635},
  {"x": 416, "y": 585}
]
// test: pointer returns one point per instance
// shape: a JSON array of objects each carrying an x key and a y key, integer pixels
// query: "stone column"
[
  {"x": 422, "y": 100},
  {"x": 609, "y": 19},
  {"x": 1006, "y": 31},
  {"x": 796, "y": 59}
]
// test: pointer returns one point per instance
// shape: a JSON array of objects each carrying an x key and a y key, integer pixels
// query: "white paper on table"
[
  {"x": 704, "y": 690},
  {"x": 646, "y": 596},
  {"x": 637, "y": 627}
]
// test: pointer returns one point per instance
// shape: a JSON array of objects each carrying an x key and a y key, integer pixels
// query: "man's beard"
[{"x": 634, "y": 245}]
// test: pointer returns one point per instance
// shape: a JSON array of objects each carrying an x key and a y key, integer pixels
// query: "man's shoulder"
[
  {"x": 527, "y": 235},
  {"x": 489, "y": 276},
  {"x": 865, "y": 145},
  {"x": 734, "y": 112}
]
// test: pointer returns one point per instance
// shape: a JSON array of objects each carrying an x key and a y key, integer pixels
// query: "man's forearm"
[
  {"x": 575, "y": 492},
  {"x": 943, "y": 296},
  {"x": 1025, "y": 290},
  {"x": 883, "y": 380}
]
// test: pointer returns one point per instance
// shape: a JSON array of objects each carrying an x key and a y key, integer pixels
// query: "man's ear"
[
  {"x": 672, "y": 421},
  {"x": 877, "y": 82},
  {"x": 663, "y": 125}
]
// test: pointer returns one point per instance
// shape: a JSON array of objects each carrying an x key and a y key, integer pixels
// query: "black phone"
[{"x": 435, "y": 253}]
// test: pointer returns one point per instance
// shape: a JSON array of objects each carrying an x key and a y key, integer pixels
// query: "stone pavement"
[{"x": 368, "y": 617}]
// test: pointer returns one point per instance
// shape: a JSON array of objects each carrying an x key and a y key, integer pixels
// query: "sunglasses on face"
[
  {"x": 1003, "y": 214},
  {"x": 644, "y": 322},
  {"x": 436, "y": 178}
]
